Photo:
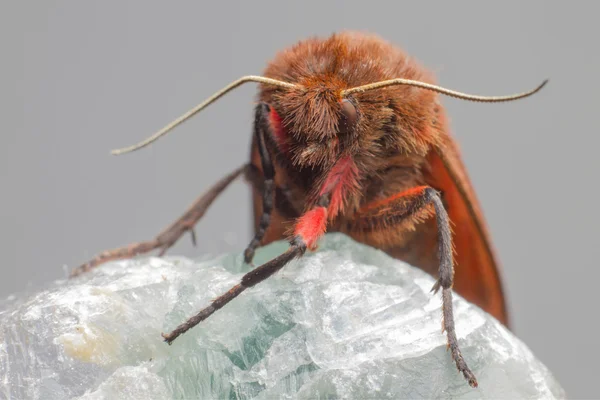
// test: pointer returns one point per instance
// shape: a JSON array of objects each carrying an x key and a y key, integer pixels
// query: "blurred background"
[{"x": 80, "y": 78}]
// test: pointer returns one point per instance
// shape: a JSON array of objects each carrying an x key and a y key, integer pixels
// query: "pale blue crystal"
[{"x": 344, "y": 322}]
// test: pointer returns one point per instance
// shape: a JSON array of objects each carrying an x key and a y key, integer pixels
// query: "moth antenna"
[
  {"x": 201, "y": 106},
  {"x": 439, "y": 89}
]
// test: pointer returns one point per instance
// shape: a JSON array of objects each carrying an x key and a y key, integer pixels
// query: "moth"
[{"x": 350, "y": 136}]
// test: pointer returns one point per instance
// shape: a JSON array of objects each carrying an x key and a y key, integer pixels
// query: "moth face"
[{"x": 312, "y": 129}]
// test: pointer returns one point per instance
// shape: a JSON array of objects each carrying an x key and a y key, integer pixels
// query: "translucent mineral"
[{"x": 346, "y": 321}]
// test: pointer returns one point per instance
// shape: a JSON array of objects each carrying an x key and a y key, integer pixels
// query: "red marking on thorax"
[
  {"x": 341, "y": 180},
  {"x": 311, "y": 226},
  {"x": 278, "y": 130}
]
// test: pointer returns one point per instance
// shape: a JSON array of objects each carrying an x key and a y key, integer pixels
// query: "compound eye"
[{"x": 349, "y": 116}]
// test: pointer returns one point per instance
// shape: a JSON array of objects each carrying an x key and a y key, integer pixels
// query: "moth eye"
[{"x": 349, "y": 116}]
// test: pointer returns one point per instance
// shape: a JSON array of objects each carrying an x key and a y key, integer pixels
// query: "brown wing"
[{"x": 477, "y": 275}]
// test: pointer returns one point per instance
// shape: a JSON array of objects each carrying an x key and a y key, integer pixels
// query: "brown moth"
[{"x": 350, "y": 136}]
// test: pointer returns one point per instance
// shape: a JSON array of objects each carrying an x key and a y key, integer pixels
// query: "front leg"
[
  {"x": 260, "y": 127},
  {"x": 414, "y": 205},
  {"x": 309, "y": 228}
]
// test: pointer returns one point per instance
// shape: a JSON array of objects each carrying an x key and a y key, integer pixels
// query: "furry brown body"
[{"x": 401, "y": 140}]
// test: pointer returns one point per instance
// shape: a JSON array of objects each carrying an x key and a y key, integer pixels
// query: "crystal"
[{"x": 344, "y": 321}]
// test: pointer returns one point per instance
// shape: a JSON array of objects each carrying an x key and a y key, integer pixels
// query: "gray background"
[{"x": 80, "y": 78}]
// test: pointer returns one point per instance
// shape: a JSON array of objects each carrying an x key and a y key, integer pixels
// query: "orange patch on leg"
[
  {"x": 311, "y": 226},
  {"x": 416, "y": 191}
]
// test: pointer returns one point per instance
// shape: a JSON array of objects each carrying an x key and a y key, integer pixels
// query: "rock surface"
[{"x": 345, "y": 321}]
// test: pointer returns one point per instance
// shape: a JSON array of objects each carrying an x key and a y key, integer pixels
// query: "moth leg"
[
  {"x": 283, "y": 194},
  {"x": 382, "y": 213},
  {"x": 309, "y": 228},
  {"x": 171, "y": 234},
  {"x": 260, "y": 127}
]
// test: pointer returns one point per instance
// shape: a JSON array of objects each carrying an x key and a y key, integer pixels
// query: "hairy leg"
[
  {"x": 171, "y": 234},
  {"x": 283, "y": 194},
  {"x": 309, "y": 228},
  {"x": 383, "y": 214},
  {"x": 260, "y": 127}
]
